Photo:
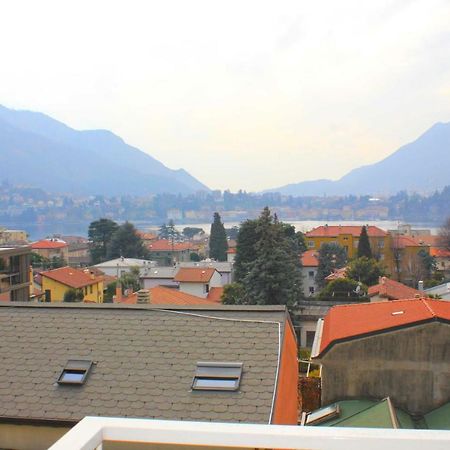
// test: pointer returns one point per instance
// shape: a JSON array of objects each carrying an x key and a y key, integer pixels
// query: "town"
[{"x": 354, "y": 304}]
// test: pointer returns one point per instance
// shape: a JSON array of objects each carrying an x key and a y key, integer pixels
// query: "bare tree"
[{"x": 444, "y": 235}]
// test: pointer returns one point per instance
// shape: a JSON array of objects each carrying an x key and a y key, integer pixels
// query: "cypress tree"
[
  {"x": 218, "y": 244},
  {"x": 248, "y": 236},
  {"x": 364, "y": 244}
]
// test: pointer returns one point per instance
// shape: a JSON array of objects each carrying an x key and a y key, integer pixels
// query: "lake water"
[{"x": 40, "y": 231}]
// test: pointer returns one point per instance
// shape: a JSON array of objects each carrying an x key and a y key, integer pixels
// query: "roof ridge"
[{"x": 425, "y": 302}]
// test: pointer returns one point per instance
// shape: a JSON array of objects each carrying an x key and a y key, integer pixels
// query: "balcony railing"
[{"x": 95, "y": 433}]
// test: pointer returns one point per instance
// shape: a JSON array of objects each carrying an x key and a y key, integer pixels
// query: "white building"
[
  {"x": 198, "y": 280},
  {"x": 119, "y": 266}
]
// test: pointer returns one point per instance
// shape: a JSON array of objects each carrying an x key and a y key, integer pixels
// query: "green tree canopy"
[
  {"x": 218, "y": 244},
  {"x": 366, "y": 270},
  {"x": 249, "y": 235},
  {"x": 331, "y": 256},
  {"x": 130, "y": 280},
  {"x": 190, "y": 232},
  {"x": 127, "y": 243},
  {"x": 100, "y": 234},
  {"x": 343, "y": 289},
  {"x": 168, "y": 231},
  {"x": 73, "y": 295},
  {"x": 364, "y": 244}
]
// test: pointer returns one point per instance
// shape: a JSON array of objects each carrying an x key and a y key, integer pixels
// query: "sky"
[{"x": 242, "y": 94}]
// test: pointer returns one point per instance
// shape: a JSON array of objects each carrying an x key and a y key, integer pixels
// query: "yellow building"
[
  {"x": 348, "y": 237},
  {"x": 55, "y": 283}
]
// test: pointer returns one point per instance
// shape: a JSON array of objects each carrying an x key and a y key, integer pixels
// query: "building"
[
  {"x": 442, "y": 290},
  {"x": 13, "y": 236},
  {"x": 51, "y": 248},
  {"x": 198, "y": 280},
  {"x": 347, "y": 236},
  {"x": 397, "y": 349},
  {"x": 231, "y": 254},
  {"x": 166, "y": 252},
  {"x": 442, "y": 258},
  {"x": 310, "y": 264},
  {"x": 388, "y": 289},
  {"x": 56, "y": 282},
  {"x": 15, "y": 282},
  {"x": 120, "y": 266},
  {"x": 220, "y": 364},
  {"x": 225, "y": 268}
]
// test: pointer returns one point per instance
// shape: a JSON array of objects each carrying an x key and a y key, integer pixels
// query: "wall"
[
  {"x": 286, "y": 400},
  {"x": 197, "y": 289},
  {"x": 58, "y": 290},
  {"x": 29, "y": 437},
  {"x": 309, "y": 282},
  {"x": 411, "y": 365},
  {"x": 149, "y": 283}
]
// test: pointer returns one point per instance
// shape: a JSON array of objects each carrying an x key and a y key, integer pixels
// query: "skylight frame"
[
  {"x": 75, "y": 367},
  {"x": 217, "y": 376}
]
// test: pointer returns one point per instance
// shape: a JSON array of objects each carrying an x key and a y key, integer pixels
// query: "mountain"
[
  {"x": 40, "y": 151},
  {"x": 420, "y": 166}
]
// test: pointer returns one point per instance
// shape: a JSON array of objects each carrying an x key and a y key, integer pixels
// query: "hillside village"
[{"x": 364, "y": 292}]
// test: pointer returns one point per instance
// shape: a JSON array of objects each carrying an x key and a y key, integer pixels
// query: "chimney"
[
  {"x": 420, "y": 286},
  {"x": 383, "y": 280},
  {"x": 118, "y": 292},
  {"x": 143, "y": 296}
]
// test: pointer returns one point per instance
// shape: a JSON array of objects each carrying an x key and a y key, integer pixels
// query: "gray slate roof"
[{"x": 144, "y": 361}]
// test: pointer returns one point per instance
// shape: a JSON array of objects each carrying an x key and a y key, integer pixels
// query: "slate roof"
[
  {"x": 350, "y": 321},
  {"x": 144, "y": 361}
]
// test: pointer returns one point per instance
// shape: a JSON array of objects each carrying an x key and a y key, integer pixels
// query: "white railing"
[{"x": 91, "y": 432}]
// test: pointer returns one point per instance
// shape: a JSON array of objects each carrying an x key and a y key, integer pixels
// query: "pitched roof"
[
  {"x": 194, "y": 274},
  {"x": 160, "y": 295},
  {"x": 75, "y": 278},
  {"x": 231, "y": 250},
  {"x": 405, "y": 241},
  {"x": 144, "y": 362},
  {"x": 48, "y": 244},
  {"x": 337, "y": 274},
  {"x": 215, "y": 294},
  {"x": 164, "y": 245},
  {"x": 334, "y": 231},
  {"x": 393, "y": 290},
  {"x": 309, "y": 258},
  {"x": 350, "y": 321},
  {"x": 439, "y": 252}
]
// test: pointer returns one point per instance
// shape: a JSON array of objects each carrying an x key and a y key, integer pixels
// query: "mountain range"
[
  {"x": 40, "y": 151},
  {"x": 420, "y": 166}
]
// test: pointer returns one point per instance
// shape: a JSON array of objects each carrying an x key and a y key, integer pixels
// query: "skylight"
[
  {"x": 75, "y": 372},
  {"x": 217, "y": 376},
  {"x": 322, "y": 414}
]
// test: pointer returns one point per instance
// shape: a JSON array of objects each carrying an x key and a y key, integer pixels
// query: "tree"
[
  {"x": 274, "y": 277},
  {"x": 73, "y": 295},
  {"x": 127, "y": 243},
  {"x": 444, "y": 235},
  {"x": 364, "y": 244},
  {"x": 168, "y": 231},
  {"x": 100, "y": 234},
  {"x": 268, "y": 263},
  {"x": 130, "y": 280},
  {"x": 110, "y": 292},
  {"x": 232, "y": 233},
  {"x": 218, "y": 245},
  {"x": 365, "y": 270},
  {"x": 194, "y": 257},
  {"x": 343, "y": 289},
  {"x": 190, "y": 232},
  {"x": 331, "y": 256}
]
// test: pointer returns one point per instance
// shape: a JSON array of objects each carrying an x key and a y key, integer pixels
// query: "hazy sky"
[{"x": 242, "y": 94}]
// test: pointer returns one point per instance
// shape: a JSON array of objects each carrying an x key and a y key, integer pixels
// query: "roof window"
[
  {"x": 75, "y": 372},
  {"x": 397, "y": 313},
  {"x": 322, "y": 415},
  {"x": 217, "y": 376}
]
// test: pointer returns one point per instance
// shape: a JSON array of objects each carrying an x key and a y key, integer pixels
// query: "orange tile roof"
[
  {"x": 231, "y": 250},
  {"x": 160, "y": 295},
  {"x": 336, "y": 230},
  {"x": 164, "y": 245},
  {"x": 428, "y": 239},
  {"x": 337, "y": 274},
  {"x": 215, "y": 294},
  {"x": 194, "y": 274},
  {"x": 393, "y": 290},
  {"x": 146, "y": 236},
  {"x": 439, "y": 252},
  {"x": 405, "y": 241},
  {"x": 309, "y": 258},
  {"x": 48, "y": 244},
  {"x": 349, "y": 321},
  {"x": 71, "y": 277}
]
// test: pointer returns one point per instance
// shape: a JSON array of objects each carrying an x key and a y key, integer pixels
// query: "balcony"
[{"x": 99, "y": 433}]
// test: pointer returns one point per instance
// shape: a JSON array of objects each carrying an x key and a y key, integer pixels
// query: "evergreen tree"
[
  {"x": 248, "y": 236},
  {"x": 364, "y": 244},
  {"x": 343, "y": 289},
  {"x": 331, "y": 257},
  {"x": 100, "y": 234},
  {"x": 274, "y": 277},
  {"x": 127, "y": 243},
  {"x": 218, "y": 245}
]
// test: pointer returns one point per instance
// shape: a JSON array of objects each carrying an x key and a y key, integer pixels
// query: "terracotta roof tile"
[
  {"x": 348, "y": 321},
  {"x": 215, "y": 294},
  {"x": 405, "y": 241},
  {"x": 309, "y": 258},
  {"x": 48, "y": 244},
  {"x": 337, "y": 274},
  {"x": 439, "y": 252},
  {"x": 334, "y": 231},
  {"x": 164, "y": 245},
  {"x": 194, "y": 274},
  {"x": 393, "y": 290},
  {"x": 74, "y": 278}
]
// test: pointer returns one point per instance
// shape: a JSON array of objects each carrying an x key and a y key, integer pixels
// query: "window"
[
  {"x": 75, "y": 372},
  {"x": 311, "y": 244},
  {"x": 380, "y": 244},
  {"x": 206, "y": 288},
  {"x": 90, "y": 289},
  {"x": 323, "y": 414},
  {"x": 217, "y": 376},
  {"x": 311, "y": 274},
  {"x": 311, "y": 290},
  {"x": 310, "y": 338}
]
